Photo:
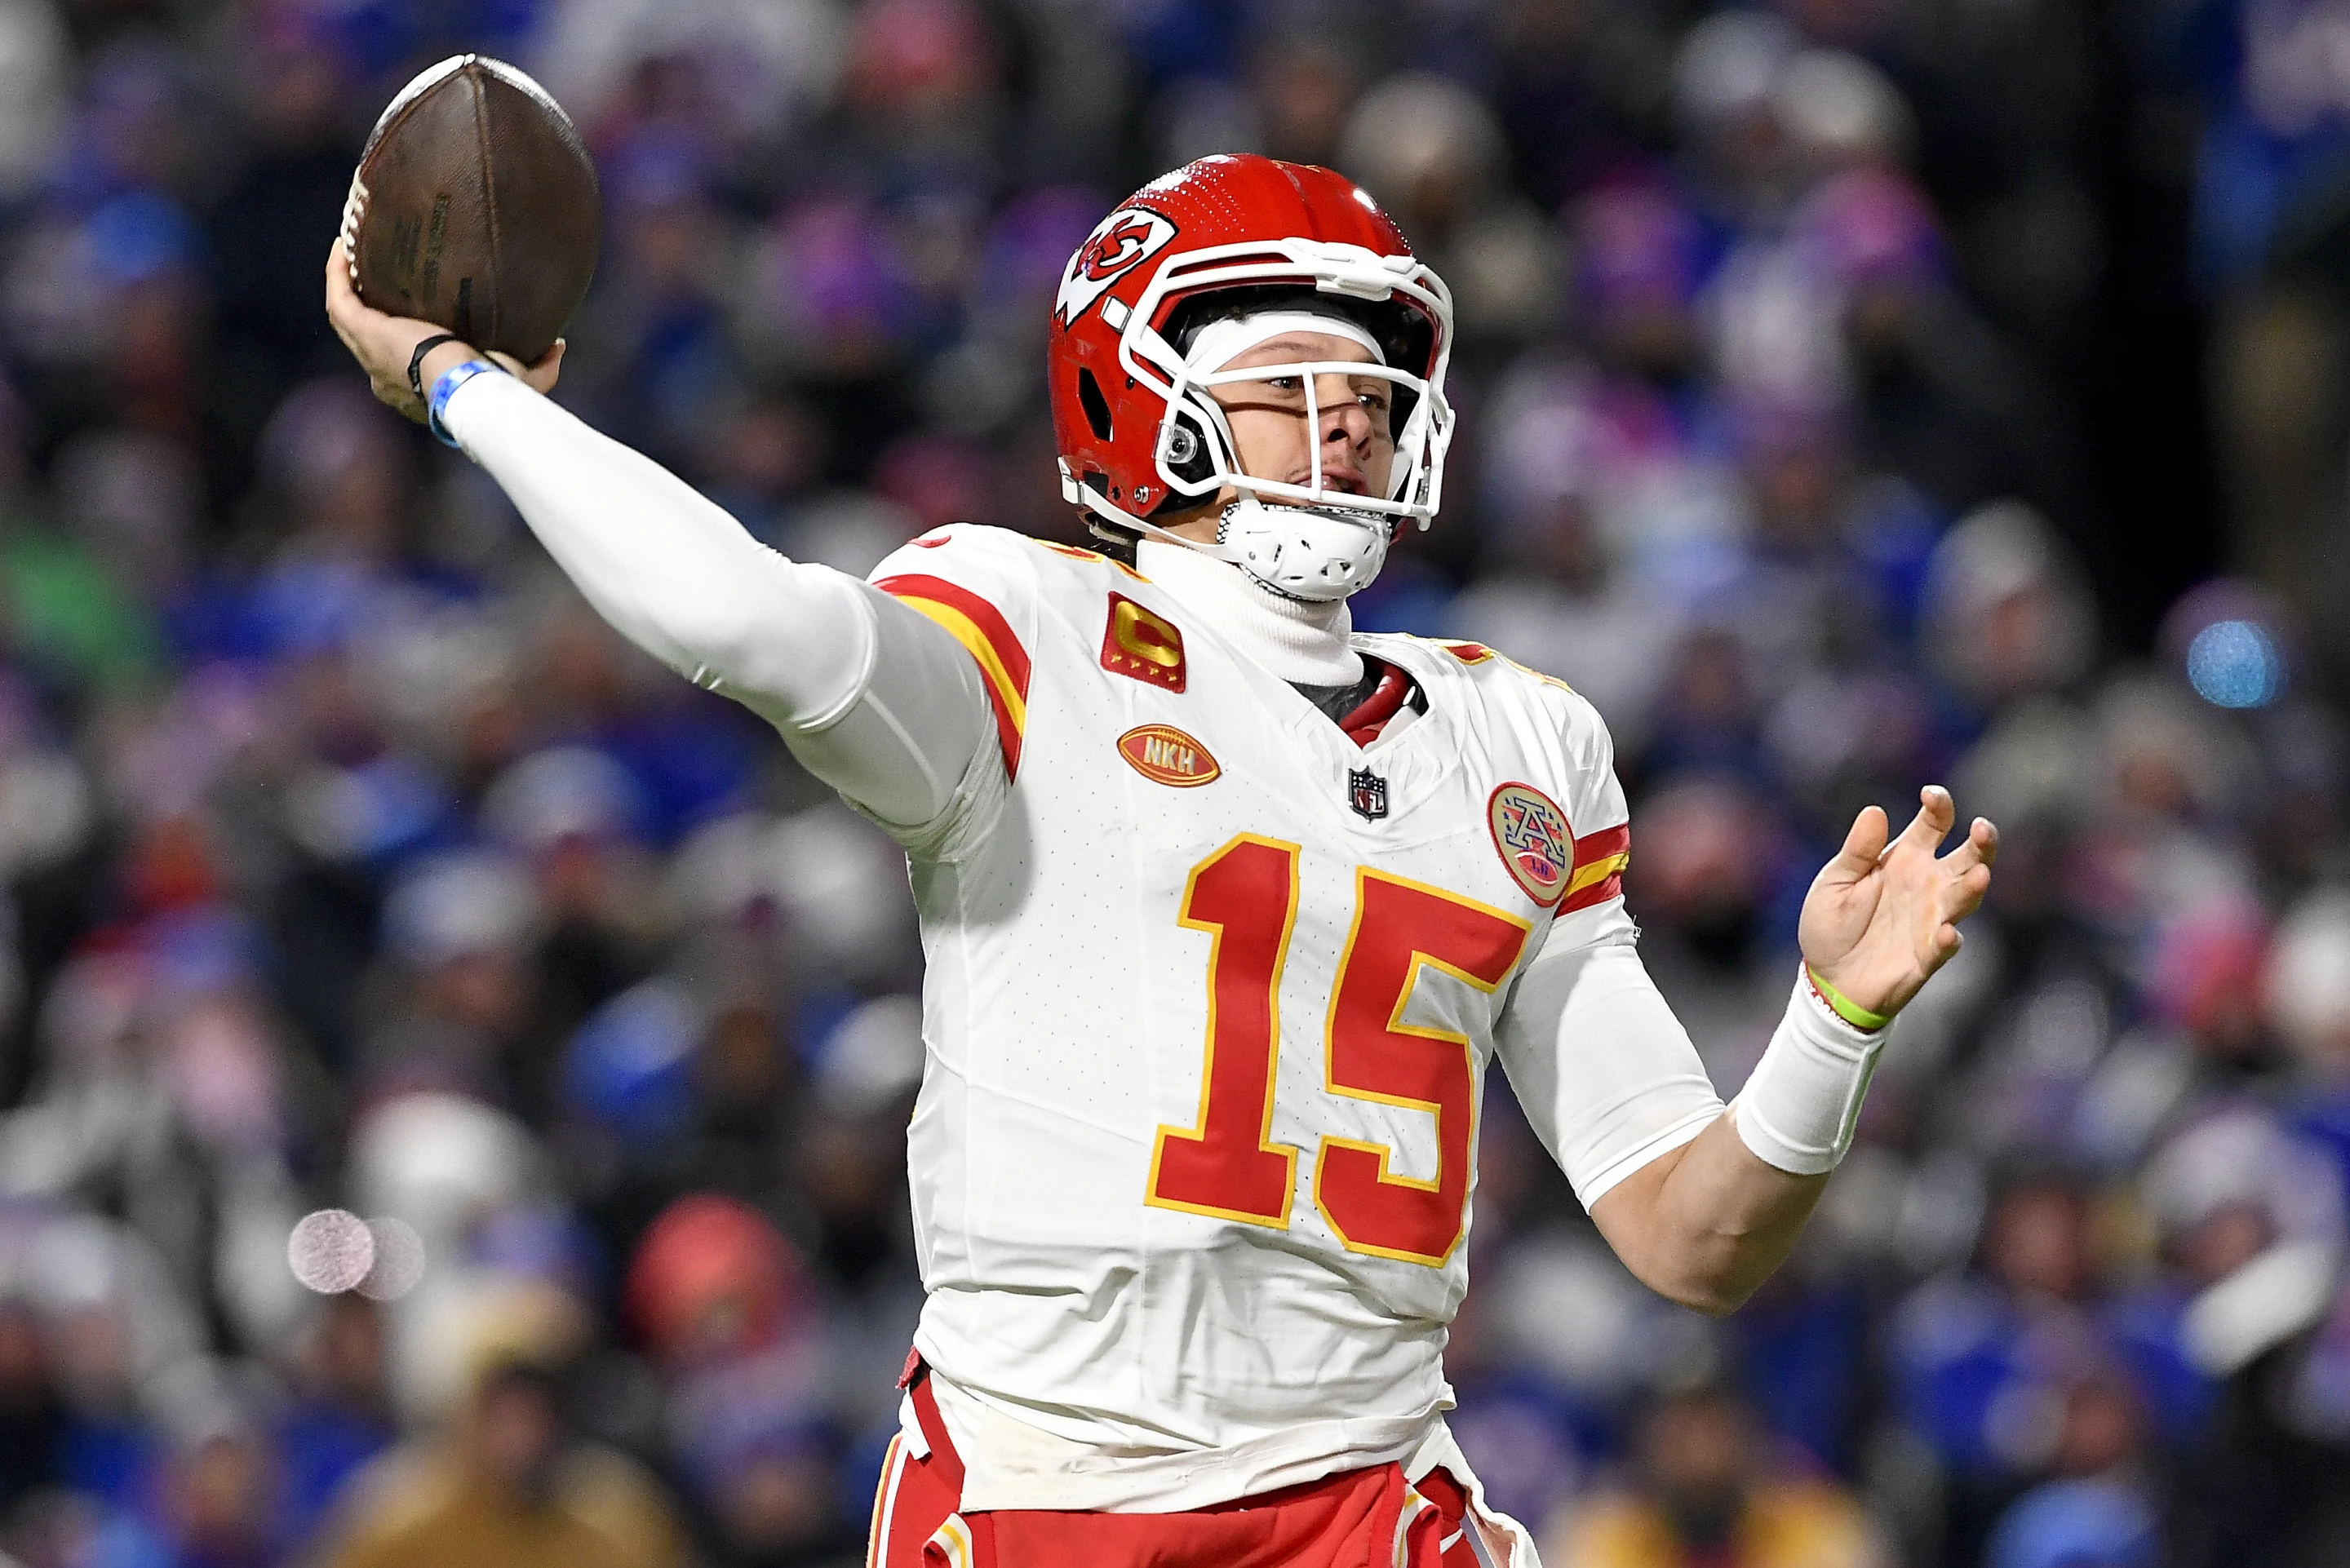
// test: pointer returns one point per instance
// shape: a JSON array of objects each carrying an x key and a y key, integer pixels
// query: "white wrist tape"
[{"x": 1798, "y": 1111}]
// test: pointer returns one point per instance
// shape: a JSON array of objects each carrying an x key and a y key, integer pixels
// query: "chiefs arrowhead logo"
[{"x": 1118, "y": 245}]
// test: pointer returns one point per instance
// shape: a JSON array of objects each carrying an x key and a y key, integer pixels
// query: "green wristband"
[{"x": 1843, "y": 1006}]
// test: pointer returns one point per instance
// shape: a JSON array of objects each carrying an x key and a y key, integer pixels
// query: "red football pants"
[{"x": 1369, "y": 1518}]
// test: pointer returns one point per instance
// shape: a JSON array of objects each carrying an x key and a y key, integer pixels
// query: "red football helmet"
[{"x": 1139, "y": 432}]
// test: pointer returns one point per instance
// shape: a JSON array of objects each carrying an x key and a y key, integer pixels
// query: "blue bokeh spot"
[{"x": 2235, "y": 664}]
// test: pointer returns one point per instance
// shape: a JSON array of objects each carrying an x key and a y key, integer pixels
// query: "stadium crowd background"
[{"x": 1853, "y": 393}]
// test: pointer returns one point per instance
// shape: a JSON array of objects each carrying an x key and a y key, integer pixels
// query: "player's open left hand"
[
  {"x": 382, "y": 344},
  {"x": 1881, "y": 916}
]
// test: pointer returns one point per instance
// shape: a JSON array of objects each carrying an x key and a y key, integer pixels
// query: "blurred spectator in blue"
[
  {"x": 576, "y": 818},
  {"x": 1641, "y": 259},
  {"x": 2277, "y": 132},
  {"x": 1990, "y": 1365},
  {"x": 340, "y": 1417},
  {"x": 459, "y": 926},
  {"x": 221, "y": 1506},
  {"x": 2077, "y": 1524}
]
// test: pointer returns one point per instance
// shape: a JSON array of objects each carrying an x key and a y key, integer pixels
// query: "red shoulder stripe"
[
  {"x": 981, "y": 628},
  {"x": 1599, "y": 846},
  {"x": 1599, "y": 861}
]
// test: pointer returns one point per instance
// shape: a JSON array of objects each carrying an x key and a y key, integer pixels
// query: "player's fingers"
[
  {"x": 539, "y": 375},
  {"x": 1962, "y": 895},
  {"x": 549, "y": 369},
  {"x": 1936, "y": 812},
  {"x": 353, "y": 316},
  {"x": 1980, "y": 847},
  {"x": 1863, "y": 845},
  {"x": 345, "y": 312},
  {"x": 341, "y": 297}
]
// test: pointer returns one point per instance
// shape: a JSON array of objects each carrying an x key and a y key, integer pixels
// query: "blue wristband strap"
[{"x": 445, "y": 386}]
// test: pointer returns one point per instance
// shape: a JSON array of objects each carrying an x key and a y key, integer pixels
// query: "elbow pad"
[{"x": 1798, "y": 1111}]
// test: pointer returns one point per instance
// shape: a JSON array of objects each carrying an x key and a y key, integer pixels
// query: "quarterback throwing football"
[{"x": 1228, "y": 908}]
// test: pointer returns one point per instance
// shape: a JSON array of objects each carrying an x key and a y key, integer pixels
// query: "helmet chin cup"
[{"x": 1315, "y": 554}]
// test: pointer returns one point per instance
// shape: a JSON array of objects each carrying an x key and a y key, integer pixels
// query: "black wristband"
[{"x": 416, "y": 361}]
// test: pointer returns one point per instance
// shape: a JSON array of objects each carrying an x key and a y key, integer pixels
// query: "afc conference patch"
[{"x": 1531, "y": 836}]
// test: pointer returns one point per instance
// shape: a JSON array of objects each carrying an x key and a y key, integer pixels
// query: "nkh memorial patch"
[
  {"x": 1531, "y": 834},
  {"x": 1165, "y": 754}
]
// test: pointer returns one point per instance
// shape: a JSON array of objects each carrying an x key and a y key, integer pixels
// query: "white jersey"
[
  {"x": 1211, "y": 997},
  {"x": 1212, "y": 993}
]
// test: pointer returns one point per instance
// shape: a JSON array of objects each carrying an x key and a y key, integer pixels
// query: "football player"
[{"x": 1228, "y": 908}]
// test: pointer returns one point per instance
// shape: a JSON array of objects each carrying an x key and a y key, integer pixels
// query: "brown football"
[{"x": 475, "y": 206}]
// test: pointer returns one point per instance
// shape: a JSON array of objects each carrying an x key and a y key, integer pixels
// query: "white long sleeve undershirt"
[{"x": 873, "y": 698}]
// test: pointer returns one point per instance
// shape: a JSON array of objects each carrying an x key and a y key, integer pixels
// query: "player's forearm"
[
  {"x": 1706, "y": 1224},
  {"x": 877, "y": 701},
  {"x": 1701, "y": 1203},
  {"x": 670, "y": 570}
]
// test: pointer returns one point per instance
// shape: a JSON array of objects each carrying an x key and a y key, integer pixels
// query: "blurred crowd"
[{"x": 1854, "y": 392}]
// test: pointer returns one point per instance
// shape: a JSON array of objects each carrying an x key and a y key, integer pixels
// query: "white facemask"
[{"x": 1315, "y": 553}]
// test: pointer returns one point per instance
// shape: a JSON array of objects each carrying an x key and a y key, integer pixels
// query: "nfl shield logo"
[{"x": 1368, "y": 793}]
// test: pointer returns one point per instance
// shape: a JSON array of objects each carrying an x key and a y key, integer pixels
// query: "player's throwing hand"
[
  {"x": 384, "y": 344},
  {"x": 1882, "y": 918}
]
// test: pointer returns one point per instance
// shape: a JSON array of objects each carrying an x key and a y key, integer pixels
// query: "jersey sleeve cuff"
[{"x": 1685, "y": 1131}]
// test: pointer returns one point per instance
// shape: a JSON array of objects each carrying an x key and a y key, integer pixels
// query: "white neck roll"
[{"x": 1304, "y": 644}]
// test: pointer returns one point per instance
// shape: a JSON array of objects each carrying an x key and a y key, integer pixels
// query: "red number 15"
[{"x": 1227, "y": 1164}]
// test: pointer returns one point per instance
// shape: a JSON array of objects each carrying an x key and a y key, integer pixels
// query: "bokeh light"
[
  {"x": 2235, "y": 664},
  {"x": 399, "y": 1260},
  {"x": 331, "y": 1251}
]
